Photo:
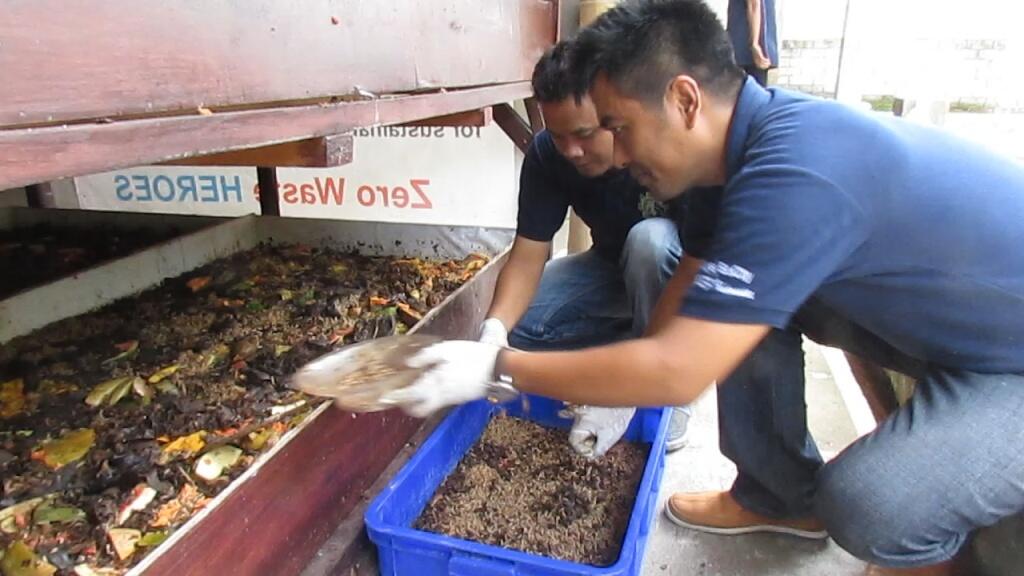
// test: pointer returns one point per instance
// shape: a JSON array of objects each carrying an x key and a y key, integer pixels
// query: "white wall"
[{"x": 923, "y": 49}]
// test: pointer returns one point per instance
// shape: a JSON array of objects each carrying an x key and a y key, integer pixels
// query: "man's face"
[
  {"x": 655, "y": 142},
  {"x": 578, "y": 136}
]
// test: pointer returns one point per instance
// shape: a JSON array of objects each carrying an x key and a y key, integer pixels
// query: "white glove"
[
  {"x": 492, "y": 331},
  {"x": 596, "y": 429},
  {"x": 463, "y": 371}
]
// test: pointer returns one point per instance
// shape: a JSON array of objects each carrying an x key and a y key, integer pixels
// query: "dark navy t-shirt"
[
  {"x": 908, "y": 231},
  {"x": 549, "y": 185}
]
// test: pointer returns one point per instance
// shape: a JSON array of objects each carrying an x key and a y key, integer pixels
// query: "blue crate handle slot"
[{"x": 477, "y": 566}]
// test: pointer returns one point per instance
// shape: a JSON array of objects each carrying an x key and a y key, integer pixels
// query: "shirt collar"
[{"x": 751, "y": 99}]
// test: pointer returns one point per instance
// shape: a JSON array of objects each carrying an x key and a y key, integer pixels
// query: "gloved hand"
[
  {"x": 462, "y": 372},
  {"x": 596, "y": 429},
  {"x": 492, "y": 331}
]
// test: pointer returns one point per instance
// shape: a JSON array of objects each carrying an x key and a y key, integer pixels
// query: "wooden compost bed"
[
  {"x": 47, "y": 253},
  {"x": 158, "y": 431}
]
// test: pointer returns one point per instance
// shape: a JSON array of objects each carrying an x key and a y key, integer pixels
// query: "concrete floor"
[{"x": 700, "y": 466}]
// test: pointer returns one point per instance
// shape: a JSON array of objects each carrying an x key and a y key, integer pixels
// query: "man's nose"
[
  {"x": 620, "y": 157},
  {"x": 573, "y": 151}
]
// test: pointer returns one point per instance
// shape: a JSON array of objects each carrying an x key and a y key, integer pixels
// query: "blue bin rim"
[{"x": 375, "y": 524}]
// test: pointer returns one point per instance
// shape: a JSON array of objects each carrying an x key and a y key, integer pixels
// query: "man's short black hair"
[
  {"x": 553, "y": 79},
  {"x": 642, "y": 44}
]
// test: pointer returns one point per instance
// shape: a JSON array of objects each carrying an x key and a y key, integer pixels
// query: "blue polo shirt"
[
  {"x": 912, "y": 233},
  {"x": 609, "y": 204}
]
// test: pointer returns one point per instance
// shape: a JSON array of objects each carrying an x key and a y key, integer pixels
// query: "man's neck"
[{"x": 719, "y": 114}]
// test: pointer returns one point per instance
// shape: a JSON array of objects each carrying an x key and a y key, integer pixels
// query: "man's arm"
[
  {"x": 671, "y": 368},
  {"x": 518, "y": 280},
  {"x": 671, "y": 298},
  {"x": 754, "y": 25}
]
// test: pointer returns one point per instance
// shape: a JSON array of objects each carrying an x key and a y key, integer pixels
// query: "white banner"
[
  {"x": 208, "y": 191},
  {"x": 423, "y": 175}
]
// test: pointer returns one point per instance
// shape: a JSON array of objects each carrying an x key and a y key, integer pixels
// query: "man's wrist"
[{"x": 500, "y": 373}]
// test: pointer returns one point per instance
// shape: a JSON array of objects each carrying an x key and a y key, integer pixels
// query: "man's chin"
[{"x": 591, "y": 170}]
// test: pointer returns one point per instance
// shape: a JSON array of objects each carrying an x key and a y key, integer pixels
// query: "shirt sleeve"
[
  {"x": 782, "y": 232},
  {"x": 543, "y": 200}
]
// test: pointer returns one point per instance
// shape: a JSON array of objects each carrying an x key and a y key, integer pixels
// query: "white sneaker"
[{"x": 677, "y": 428}]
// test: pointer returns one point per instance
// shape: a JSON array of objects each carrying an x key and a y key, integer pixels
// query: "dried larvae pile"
[{"x": 521, "y": 486}]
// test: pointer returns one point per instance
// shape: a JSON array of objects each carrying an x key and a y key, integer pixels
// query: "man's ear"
[{"x": 684, "y": 97}]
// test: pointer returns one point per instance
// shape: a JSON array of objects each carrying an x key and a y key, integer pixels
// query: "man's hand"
[
  {"x": 462, "y": 372},
  {"x": 760, "y": 59},
  {"x": 596, "y": 429},
  {"x": 492, "y": 331}
]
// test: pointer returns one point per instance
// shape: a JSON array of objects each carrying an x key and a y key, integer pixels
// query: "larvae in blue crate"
[{"x": 521, "y": 486}]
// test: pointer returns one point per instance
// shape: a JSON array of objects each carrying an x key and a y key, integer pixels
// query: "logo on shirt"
[
  {"x": 649, "y": 207},
  {"x": 724, "y": 278}
]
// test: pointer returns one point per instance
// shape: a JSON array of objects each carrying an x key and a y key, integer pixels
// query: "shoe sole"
[
  {"x": 808, "y": 534},
  {"x": 676, "y": 444}
]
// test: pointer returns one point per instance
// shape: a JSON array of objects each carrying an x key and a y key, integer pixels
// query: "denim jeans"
[
  {"x": 588, "y": 300},
  {"x": 909, "y": 493}
]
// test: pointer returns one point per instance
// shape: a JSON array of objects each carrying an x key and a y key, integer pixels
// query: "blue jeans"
[
  {"x": 587, "y": 300},
  {"x": 908, "y": 494}
]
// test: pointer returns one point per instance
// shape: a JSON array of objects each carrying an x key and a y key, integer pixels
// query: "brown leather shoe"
[{"x": 720, "y": 513}]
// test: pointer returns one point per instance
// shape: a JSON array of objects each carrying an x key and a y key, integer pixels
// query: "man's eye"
[{"x": 615, "y": 129}]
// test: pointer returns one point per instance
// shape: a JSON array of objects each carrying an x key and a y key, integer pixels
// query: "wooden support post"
[
  {"x": 534, "y": 114},
  {"x": 40, "y": 196},
  {"x": 514, "y": 126},
  {"x": 875, "y": 385},
  {"x": 266, "y": 178}
]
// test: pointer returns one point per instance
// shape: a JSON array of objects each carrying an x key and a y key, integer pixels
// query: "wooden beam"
[
  {"x": 323, "y": 152},
  {"x": 35, "y": 155},
  {"x": 481, "y": 117},
  {"x": 534, "y": 114},
  {"x": 514, "y": 126},
  {"x": 110, "y": 58}
]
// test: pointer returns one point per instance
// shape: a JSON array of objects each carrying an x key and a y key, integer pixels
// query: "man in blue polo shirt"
[
  {"x": 894, "y": 241},
  {"x": 599, "y": 296}
]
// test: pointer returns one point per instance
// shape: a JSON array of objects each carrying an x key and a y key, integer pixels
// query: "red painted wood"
[
  {"x": 322, "y": 152},
  {"x": 514, "y": 126},
  {"x": 28, "y": 156},
  {"x": 275, "y": 522},
  {"x": 68, "y": 60}
]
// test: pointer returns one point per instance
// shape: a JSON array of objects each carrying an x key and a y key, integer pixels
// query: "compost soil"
[
  {"x": 38, "y": 254},
  {"x": 521, "y": 486},
  {"x": 109, "y": 420}
]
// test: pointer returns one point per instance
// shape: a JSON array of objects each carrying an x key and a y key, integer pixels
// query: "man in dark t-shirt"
[{"x": 604, "y": 294}]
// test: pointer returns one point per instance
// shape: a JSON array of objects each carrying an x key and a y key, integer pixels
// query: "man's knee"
[
  {"x": 878, "y": 518},
  {"x": 652, "y": 242}
]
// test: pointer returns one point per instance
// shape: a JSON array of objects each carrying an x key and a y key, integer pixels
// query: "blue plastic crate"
[{"x": 404, "y": 551}]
